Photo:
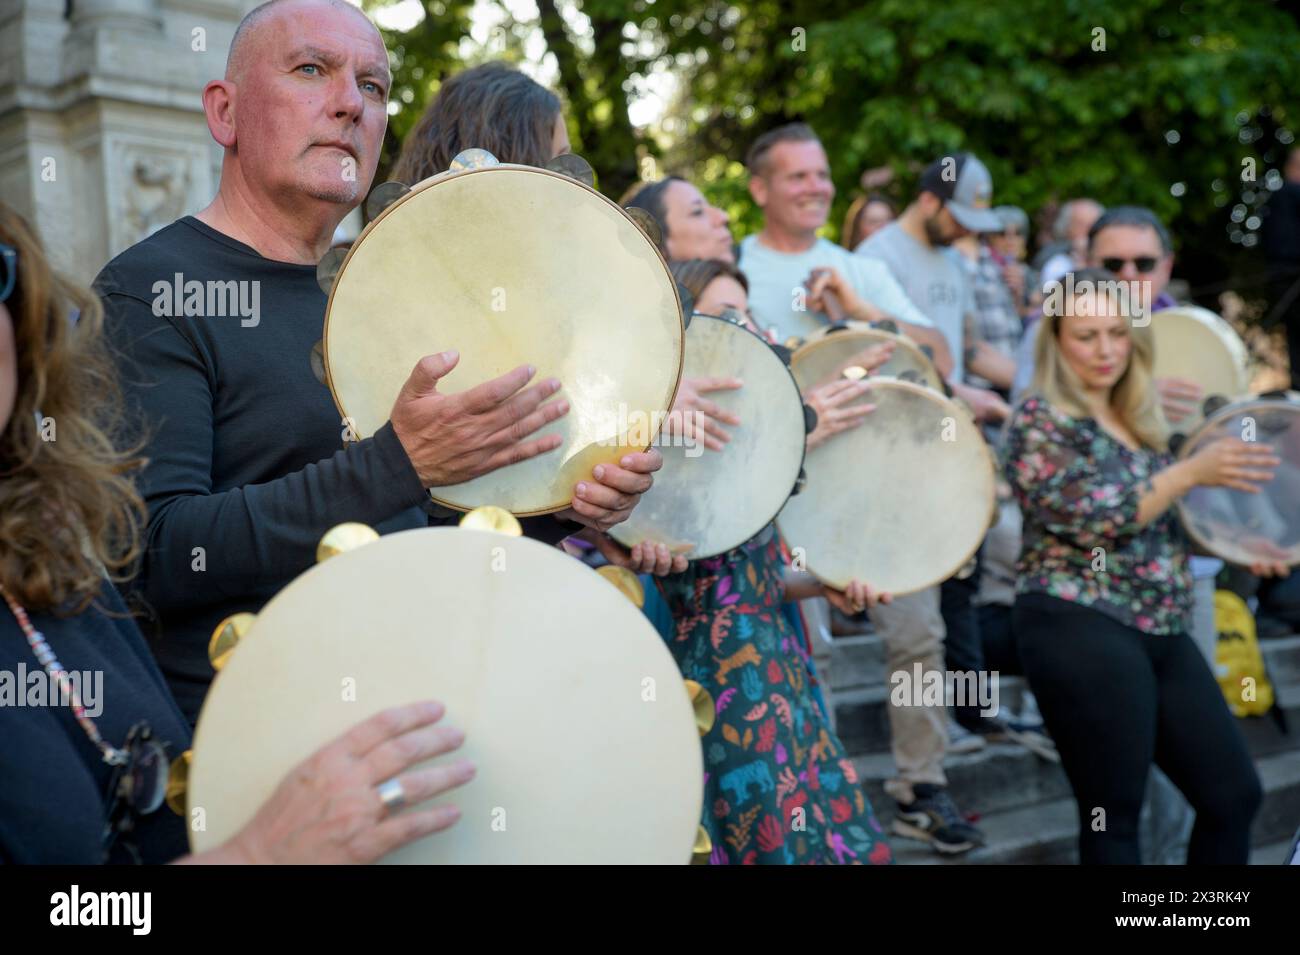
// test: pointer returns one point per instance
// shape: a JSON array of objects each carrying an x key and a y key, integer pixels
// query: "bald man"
[{"x": 215, "y": 317}]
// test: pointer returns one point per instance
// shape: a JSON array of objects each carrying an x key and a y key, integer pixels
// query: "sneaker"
[
  {"x": 1007, "y": 728},
  {"x": 961, "y": 740},
  {"x": 932, "y": 817}
]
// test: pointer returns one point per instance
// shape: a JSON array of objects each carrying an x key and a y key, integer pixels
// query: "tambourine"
[
  {"x": 508, "y": 265},
  {"x": 575, "y": 714},
  {"x": 1196, "y": 344},
  {"x": 901, "y": 502},
  {"x": 704, "y": 502},
  {"x": 1244, "y": 528},
  {"x": 832, "y": 351}
]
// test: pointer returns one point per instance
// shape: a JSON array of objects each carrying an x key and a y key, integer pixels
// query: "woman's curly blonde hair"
[{"x": 69, "y": 511}]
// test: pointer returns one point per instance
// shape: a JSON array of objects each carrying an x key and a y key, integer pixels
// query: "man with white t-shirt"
[{"x": 790, "y": 181}]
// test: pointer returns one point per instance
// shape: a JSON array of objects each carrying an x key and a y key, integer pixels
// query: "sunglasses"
[
  {"x": 136, "y": 788},
  {"x": 1143, "y": 263},
  {"x": 8, "y": 271}
]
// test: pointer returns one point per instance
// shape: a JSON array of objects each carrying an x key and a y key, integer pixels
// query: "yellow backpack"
[{"x": 1239, "y": 664}]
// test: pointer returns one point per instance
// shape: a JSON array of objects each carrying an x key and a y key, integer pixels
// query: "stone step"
[
  {"x": 1046, "y": 832},
  {"x": 1000, "y": 777},
  {"x": 859, "y": 661},
  {"x": 1276, "y": 853},
  {"x": 862, "y": 721}
]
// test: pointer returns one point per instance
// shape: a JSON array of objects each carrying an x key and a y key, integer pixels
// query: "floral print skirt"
[{"x": 778, "y": 785}]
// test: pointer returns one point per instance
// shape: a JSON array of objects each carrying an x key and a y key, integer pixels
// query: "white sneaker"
[{"x": 962, "y": 740}]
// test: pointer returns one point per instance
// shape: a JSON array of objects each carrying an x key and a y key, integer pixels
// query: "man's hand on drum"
[
  {"x": 341, "y": 804},
  {"x": 452, "y": 438},
  {"x": 1178, "y": 397},
  {"x": 696, "y": 418},
  {"x": 854, "y": 598},
  {"x": 648, "y": 557},
  {"x": 608, "y": 498},
  {"x": 835, "y": 413},
  {"x": 855, "y": 307}
]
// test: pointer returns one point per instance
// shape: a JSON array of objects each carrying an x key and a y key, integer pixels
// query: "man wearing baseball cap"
[{"x": 952, "y": 201}]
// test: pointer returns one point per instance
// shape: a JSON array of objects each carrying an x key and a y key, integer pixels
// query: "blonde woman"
[{"x": 1104, "y": 596}]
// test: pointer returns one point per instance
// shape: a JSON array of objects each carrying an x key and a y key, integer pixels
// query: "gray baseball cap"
[{"x": 965, "y": 186}]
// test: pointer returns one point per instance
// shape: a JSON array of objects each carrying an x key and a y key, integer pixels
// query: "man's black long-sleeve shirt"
[{"x": 247, "y": 467}]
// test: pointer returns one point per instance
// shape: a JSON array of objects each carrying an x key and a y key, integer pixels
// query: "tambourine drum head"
[
  {"x": 900, "y": 502},
  {"x": 706, "y": 502},
  {"x": 1239, "y": 527},
  {"x": 1196, "y": 344},
  {"x": 510, "y": 265},
  {"x": 573, "y": 710},
  {"x": 823, "y": 358}
]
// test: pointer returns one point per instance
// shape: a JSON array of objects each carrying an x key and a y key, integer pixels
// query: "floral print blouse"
[{"x": 1079, "y": 489}]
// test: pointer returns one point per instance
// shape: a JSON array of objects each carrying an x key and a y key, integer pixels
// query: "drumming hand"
[
  {"x": 855, "y": 307},
  {"x": 854, "y": 598},
  {"x": 698, "y": 419},
  {"x": 831, "y": 401},
  {"x": 1178, "y": 397},
  {"x": 328, "y": 809},
  {"x": 609, "y": 498},
  {"x": 987, "y": 405},
  {"x": 644, "y": 558},
  {"x": 869, "y": 359},
  {"x": 1231, "y": 462},
  {"x": 452, "y": 438}
]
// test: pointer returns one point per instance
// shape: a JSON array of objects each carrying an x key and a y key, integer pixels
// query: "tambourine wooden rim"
[
  {"x": 1194, "y": 442},
  {"x": 868, "y": 336},
  {"x": 552, "y": 695},
  {"x": 615, "y": 450},
  {"x": 983, "y": 455},
  {"x": 630, "y": 533}
]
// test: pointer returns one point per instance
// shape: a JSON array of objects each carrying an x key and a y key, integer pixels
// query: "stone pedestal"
[{"x": 102, "y": 133}]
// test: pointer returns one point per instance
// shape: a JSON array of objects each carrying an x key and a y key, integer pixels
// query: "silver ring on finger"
[{"x": 392, "y": 795}]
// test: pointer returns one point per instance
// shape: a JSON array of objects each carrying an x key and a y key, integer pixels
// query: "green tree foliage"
[{"x": 1145, "y": 101}]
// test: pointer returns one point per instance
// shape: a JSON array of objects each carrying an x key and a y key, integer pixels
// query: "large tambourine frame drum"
[
  {"x": 1244, "y": 528},
  {"x": 574, "y": 712},
  {"x": 833, "y": 349},
  {"x": 705, "y": 502},
  {"x": 901, "y": 502},
  {"x": 1196, "y": 344},
  {"x": 510, "y": 265}
]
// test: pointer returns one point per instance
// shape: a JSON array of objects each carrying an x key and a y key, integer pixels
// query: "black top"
[
  {"x": 247, "y": 468},
  {"x": 1280, "y": 230},
  {"x": 53, "y": 779}
]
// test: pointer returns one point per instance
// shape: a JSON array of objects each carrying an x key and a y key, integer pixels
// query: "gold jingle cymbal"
[
  {"x": 703, "y": 848},
  {"x": 793, "y": 342},
  {"x": 328, "y": 267},
  {"x": 344, "y": 537},
  {"x": 489, "y": 517},
  {"x": 226, "y": 636},
  {"x": 178, "y": 782},
  {"x": 624, "y": 580},
  {"x": 647, "y": 223},
  {"x": 383, "y": 196},
  {"x": 473, "y": 159},
  {"x": 575, "y": 167},
  {"x": 854, "y": 373},
  {"x": 702, "y": 701}
]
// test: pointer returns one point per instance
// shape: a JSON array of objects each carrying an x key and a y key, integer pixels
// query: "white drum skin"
[
  {"x": 704, "y": 503},
  {"x": 1196, "y": 344},
  {"x": 901, "y": 502},
  {"x": 510, "y": 265},
  {"x": 574, "y": 711}
]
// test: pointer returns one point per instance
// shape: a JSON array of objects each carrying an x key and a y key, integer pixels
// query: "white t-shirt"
[
  {"x": 776, "y": 281},
  {"x": 934, "y": 281}
]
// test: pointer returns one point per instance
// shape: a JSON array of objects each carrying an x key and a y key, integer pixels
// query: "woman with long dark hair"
[{"x": 95, "y": 710}]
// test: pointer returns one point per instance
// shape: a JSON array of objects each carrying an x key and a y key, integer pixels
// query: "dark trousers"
[
  {"x": 962, "y": 647},
  {"x": 1115, "y": 699}
]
